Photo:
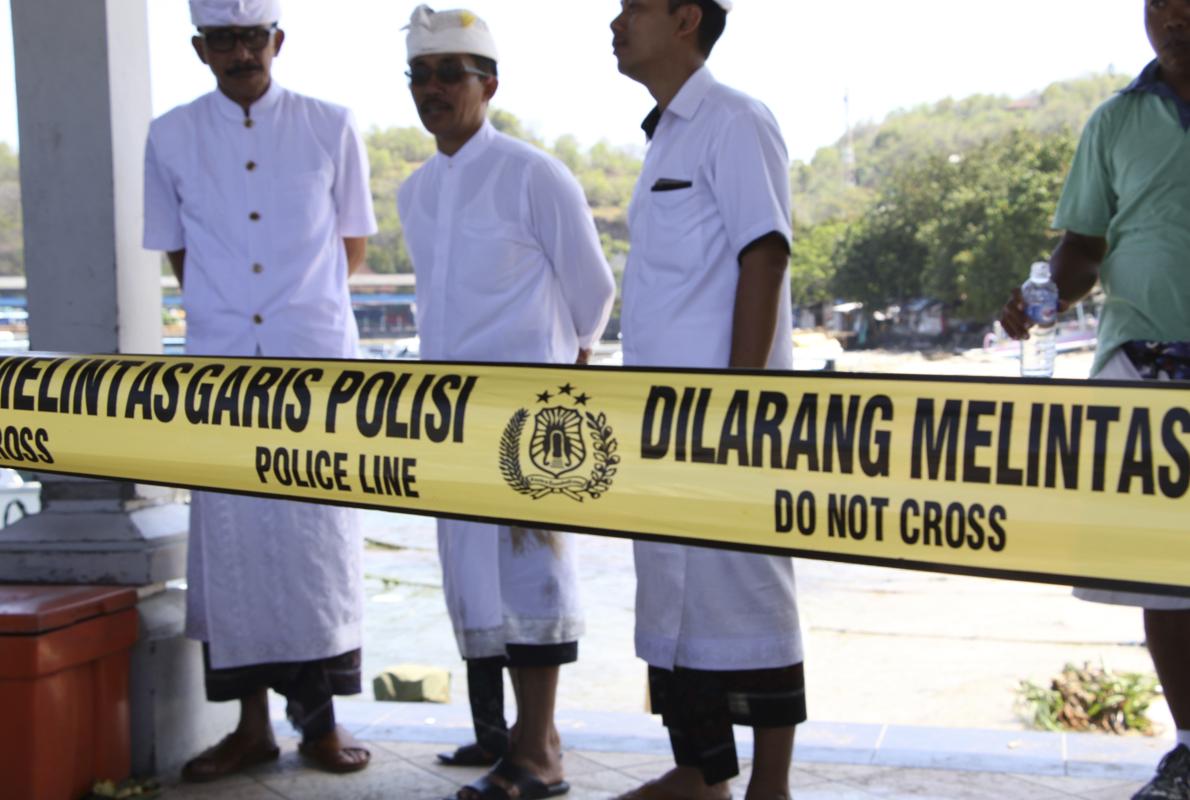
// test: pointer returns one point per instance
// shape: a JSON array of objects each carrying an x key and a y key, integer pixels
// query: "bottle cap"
[{"x": 1040, "y": 272}]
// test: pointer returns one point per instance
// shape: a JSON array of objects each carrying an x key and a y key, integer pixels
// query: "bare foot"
[
  {"x": 337, "y": 751},
  {"x": 680, "y": 783},
  {"x": 238, "y": 751}
]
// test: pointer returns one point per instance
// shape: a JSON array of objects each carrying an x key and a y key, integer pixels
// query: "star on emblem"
[
  {"x": 544, "y": 397},
  {"x": 581, "y": 399},
  {"x": 567, "y": 389}
]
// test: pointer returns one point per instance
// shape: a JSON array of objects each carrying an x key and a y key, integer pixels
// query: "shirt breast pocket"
[
  {"x": 303, "y": 199},
  {"x": 674, "y": 235}
]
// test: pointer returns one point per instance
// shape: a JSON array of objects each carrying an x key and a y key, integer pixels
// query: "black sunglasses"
[
  {"x": 223, "y": 40},
  {"x": 448, "y": 73}
]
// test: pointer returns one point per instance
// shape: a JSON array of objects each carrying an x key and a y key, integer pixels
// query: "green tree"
[
  {"x": 958, "y": 228},
  {"x": 12, "y": 253},
  {"x": 508, "y": 123},
  {"x": 567, "y": 150},
  {"x": 996, "y": 221},
  {"x": 812, "y": 262},
  {"x": 393, "y": 154}
]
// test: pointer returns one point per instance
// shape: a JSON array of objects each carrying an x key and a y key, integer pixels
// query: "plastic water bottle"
[{"x": 1040, "y": 294}]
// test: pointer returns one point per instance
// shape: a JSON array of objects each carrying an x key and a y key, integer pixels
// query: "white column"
[
  {"x": 82, "y": 72},
  {"x": 82, "y": 69}
]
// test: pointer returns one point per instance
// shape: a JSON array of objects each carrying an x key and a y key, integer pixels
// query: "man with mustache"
[
  {"x": 509, "y": 268},
  {"x": 707, "y": 286},
  {"x": 1125, "y": 213},
  {"x": 260, "y": 198}
]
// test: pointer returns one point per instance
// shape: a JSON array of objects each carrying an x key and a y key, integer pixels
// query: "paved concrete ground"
[
  {"x": 405, "y": 771},
  {"x": 611, "y": 753}
]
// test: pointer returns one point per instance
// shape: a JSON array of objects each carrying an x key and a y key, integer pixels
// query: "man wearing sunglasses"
[
  {"x": 707, "y": 286},
  {"x": 509, "y": 269},
  {"x": 260, "y": 198}
]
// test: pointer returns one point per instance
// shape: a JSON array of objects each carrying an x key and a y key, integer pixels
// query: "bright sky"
[{"x": 558, "y": 74}]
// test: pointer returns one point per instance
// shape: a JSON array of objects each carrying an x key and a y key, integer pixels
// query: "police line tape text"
[
  {"x": 380, "y": 402},
  {"x": 25, "y": 445},
  {"x": 321, "y": 469},
  {"x": 926, "y": 523},
  {"x": 968, "y": 441}
]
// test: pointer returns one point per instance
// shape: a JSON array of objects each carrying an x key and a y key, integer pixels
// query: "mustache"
[
  {"x": 242, "y": 69},
  {"x": 431, "y": 102}
]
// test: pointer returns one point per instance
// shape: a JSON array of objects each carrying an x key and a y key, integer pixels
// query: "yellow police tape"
[{"x": 1068, "y": 482}]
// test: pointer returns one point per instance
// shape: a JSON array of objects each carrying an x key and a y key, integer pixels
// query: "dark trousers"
[
  {"x": 485, "y": 687},
  {"x": 699, "y": 708},
  {"x": 308, "y": 686}
]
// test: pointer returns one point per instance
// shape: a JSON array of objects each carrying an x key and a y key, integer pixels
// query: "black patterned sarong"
[
  {"x": 308, "y": 686},
  {"x": 699, "y": 707}
]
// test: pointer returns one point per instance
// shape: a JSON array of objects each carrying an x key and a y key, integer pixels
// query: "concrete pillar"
[
  {"x": 83, "y": 98},
  {"x": 84, "y": 109}
]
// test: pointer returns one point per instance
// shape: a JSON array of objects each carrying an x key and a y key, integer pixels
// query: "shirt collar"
[
  {"x": 473, "y": 148},
  {"x": 1149, "y": 82},
  {"x": 685, "y": 103},
  {"x": 235, "y": 112},
  {"x": 1148, "y": 78}
]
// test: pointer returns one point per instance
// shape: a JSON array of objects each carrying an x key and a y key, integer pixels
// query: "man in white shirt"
[
  {"x": 510, "y": 269},
  {"x": 260, "y": 198},
  {"x": 706, "y": 286}
]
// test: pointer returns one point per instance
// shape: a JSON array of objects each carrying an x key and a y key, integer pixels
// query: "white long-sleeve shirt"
[
  {"x": 508, "y": 262},
  {"x": 509, "y": 269},
  {"x": 261, "y": 205}
]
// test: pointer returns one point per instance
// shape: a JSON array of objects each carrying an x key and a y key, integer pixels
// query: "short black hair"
[
  {"x": 714, "y": 20},
  {"x": 486, "y": 64}
]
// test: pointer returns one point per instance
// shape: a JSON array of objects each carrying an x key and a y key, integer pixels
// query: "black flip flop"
[
  {"x": 469, "y": 755},
  {"x": 527, "y": 786}
]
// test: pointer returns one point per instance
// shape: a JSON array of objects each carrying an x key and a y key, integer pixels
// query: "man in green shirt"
[{"x": 1126, "y": 216}]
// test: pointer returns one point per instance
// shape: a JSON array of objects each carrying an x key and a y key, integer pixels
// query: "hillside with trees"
[{"x": 950, "y": 200}]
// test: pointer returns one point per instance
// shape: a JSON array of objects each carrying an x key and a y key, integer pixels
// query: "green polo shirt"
[{"x": 1130, "y": 183}]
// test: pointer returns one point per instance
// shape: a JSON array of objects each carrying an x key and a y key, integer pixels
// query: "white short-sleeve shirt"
[
  {"x": 508, "y": 261},
  {"x": 715, "y": 179},
  {"x": 261, "y": 203}
]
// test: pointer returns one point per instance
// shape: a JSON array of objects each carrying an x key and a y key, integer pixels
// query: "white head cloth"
[
  {"x": 234, "y": 13},
  {"x": 456, "y": 31},
  {"x": 724, "y": 4}
]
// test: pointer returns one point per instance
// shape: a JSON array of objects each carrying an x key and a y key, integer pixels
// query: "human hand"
[
  {"x": 584, "y": 357},
  {"x": 1013, "y": 318}
]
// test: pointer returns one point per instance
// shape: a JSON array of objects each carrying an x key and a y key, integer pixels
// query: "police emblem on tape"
[{"x": 572, "y": 448}]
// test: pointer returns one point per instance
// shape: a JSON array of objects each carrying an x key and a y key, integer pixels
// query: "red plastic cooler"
[{"x": 64, "y": 659}]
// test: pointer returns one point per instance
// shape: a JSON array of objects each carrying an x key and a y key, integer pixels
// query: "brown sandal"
[
  {"x": 332, "y": 752},
  {"x": 224, "y": 759}
]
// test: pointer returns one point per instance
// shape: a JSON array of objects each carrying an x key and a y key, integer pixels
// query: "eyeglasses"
[
  {"x": 224, "y": 40},
  {"x": 447, "y": 72}
]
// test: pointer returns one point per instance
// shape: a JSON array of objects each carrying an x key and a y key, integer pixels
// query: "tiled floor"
[
  {"x": 407, "y": 771},
  {"x": 609, "y": 753}
]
